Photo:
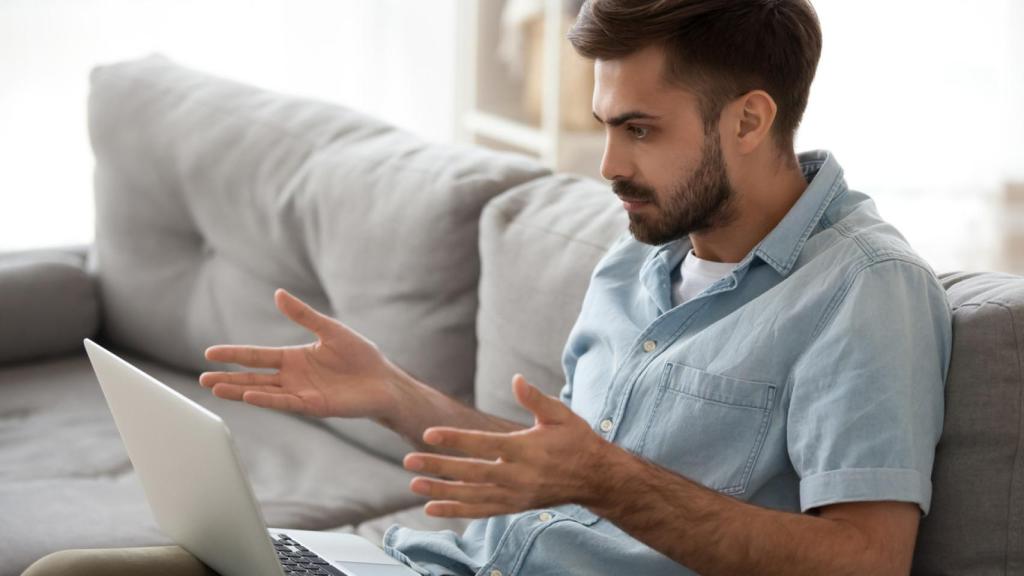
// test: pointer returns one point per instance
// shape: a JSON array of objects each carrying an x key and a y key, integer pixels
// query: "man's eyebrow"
[{"x": 622, "y": 118}]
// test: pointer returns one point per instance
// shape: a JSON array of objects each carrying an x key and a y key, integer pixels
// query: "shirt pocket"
[{"x": 707, "y": 427}]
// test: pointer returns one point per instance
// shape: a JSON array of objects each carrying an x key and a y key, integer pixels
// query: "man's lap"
[{"x": 156, "y": 560}]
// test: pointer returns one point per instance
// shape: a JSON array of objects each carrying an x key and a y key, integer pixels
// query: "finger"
[
  {"x": 274, "y": 400},
  {"x": 301, "y": 313},
  {"x": 459, "y": 491},
  {"x": 449, "y": 509},
  {"x": 210, "y": 379},
  {"x": 489, "y": 445},
  {"x": 251, "y": 356},
  {"x": 465, "y": 469},
  {"x": 236, "y": 391},
  {"x": 547, "y": 409}
]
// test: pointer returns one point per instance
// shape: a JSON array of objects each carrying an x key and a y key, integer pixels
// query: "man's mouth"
[{"x": 633, "y": 204}]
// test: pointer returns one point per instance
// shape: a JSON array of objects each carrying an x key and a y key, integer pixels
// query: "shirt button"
[
  {"x": 650, "y": 345},
  {"x": 544, "y": 517},
  {"x": 606, "y": 425},
  {"x": 495, "y": 572}
]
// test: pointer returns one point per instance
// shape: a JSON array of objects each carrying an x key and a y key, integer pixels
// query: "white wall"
[
  {"x": 392, "y": 58},
  {"x": 922, "y": 101},
  {"x": 916, "y": 93}
]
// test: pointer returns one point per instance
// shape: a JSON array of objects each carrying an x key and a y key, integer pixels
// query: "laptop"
[{"x": 198, "y": 490}]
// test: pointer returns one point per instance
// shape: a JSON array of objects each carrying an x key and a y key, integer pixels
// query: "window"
[{"x": 920, "y": 100}]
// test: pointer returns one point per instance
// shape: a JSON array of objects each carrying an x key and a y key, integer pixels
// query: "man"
[{"x": 755, "y": 381}]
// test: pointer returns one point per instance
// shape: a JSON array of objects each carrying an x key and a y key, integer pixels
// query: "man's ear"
[{"x": 754, "y": 115}]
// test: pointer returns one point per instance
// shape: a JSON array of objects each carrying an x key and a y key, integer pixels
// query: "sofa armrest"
[{"x": 48, "y": 303}]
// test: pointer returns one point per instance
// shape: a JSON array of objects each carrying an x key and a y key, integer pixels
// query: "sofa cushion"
[
  {"x": 976, "y": 524},
  {"x": 48, "y": 304},
  {"x": 211, "y": 194},
  {"x": 66, "y": 481},
  {"x": 539, "y": 244}
]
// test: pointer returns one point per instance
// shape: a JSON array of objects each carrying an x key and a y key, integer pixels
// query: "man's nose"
[{"x": 615, "y": 163}]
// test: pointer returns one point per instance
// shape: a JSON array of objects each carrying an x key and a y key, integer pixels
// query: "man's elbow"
[{"x": 877, "y": 555}]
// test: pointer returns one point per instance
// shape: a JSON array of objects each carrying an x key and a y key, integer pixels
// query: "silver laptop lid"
[{"x": 190, "y": 472}]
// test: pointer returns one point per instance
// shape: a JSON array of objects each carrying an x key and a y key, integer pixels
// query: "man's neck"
[{"x": 762, "y": 200}]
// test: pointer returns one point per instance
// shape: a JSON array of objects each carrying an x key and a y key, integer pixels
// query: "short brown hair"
[{"x": 719, "y": 49}]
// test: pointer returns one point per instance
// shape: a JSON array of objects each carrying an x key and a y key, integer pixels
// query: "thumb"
[
  {"x": 301, "y": 313},
  {"x": 547, "y": 409}
]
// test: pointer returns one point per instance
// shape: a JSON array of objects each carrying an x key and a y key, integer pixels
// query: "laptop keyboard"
[{"x": 297, "y": 559}]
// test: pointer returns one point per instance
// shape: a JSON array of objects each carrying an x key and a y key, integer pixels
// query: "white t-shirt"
[{"x": 695, "y": 275}]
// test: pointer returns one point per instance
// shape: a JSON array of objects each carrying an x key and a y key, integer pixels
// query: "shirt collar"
[{"x": 781, "y": 247}]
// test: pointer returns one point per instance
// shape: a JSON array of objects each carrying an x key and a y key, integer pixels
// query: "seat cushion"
[
  {"x": 976, "y": 524},
  {"x": 66, "y": 481},
  {"x": 210, "y": 194},
  {"x": 539, "y": 244}
]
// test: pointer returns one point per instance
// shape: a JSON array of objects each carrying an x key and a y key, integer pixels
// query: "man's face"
[{"x": 669, "y": 173}]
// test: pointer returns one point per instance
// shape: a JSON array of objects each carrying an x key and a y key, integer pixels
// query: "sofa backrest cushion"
[
  {"x": 539, "y": 244},
  {"x": 976, "y": 524},
  {"x": 210, "y": 194}
]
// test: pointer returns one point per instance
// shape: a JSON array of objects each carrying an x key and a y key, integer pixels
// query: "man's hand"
[
  {"x": 341, "y": 374},
  {"x": 546, "y": 465}
]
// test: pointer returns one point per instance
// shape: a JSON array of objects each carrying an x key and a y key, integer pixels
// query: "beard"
[{"x": 704, "y": 200}]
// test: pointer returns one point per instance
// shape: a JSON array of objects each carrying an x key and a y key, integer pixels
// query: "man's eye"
[{"x": 638, "y": 132}]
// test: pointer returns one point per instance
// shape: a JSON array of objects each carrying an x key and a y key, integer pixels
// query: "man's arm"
[
  {"x": 716, "y": 534},
  {"x": 418, "y": 406},
  {"x": 561, "y": 460}
]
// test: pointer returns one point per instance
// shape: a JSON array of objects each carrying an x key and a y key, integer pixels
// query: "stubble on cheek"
[{"x": 701, "y": 200}]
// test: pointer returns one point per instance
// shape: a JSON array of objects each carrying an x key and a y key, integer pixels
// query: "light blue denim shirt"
[{"x": 813, "y": 374}]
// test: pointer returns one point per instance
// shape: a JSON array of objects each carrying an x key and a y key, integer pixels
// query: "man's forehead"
[
  {"x": 646, "y": 65},
  {"x": 635, "y": 83}
]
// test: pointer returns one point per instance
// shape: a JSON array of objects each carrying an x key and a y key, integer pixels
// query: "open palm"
[{"x": 341, "y": 374}]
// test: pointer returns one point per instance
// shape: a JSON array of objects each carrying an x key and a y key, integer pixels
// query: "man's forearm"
[
  {"x": 714, "y": 534},
  {"x": 561, "y": 459},
  {"x": 419, "y": 406}
]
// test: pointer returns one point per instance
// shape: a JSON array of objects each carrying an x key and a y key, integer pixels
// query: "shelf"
[
  {"x": 578, "y": 151},
  {"x": 545, "y": 111},
  {"x": 512, "y": 132}
]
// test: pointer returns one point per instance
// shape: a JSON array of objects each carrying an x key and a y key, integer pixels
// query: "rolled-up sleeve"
[{"x": 866, "y": 398}]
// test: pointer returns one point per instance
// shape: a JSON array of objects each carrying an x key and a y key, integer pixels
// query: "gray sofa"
[{"x": 464, "y": 265}]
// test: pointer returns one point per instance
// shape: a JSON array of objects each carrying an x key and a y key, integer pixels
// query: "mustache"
[{"x": 632, "y": 190}]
